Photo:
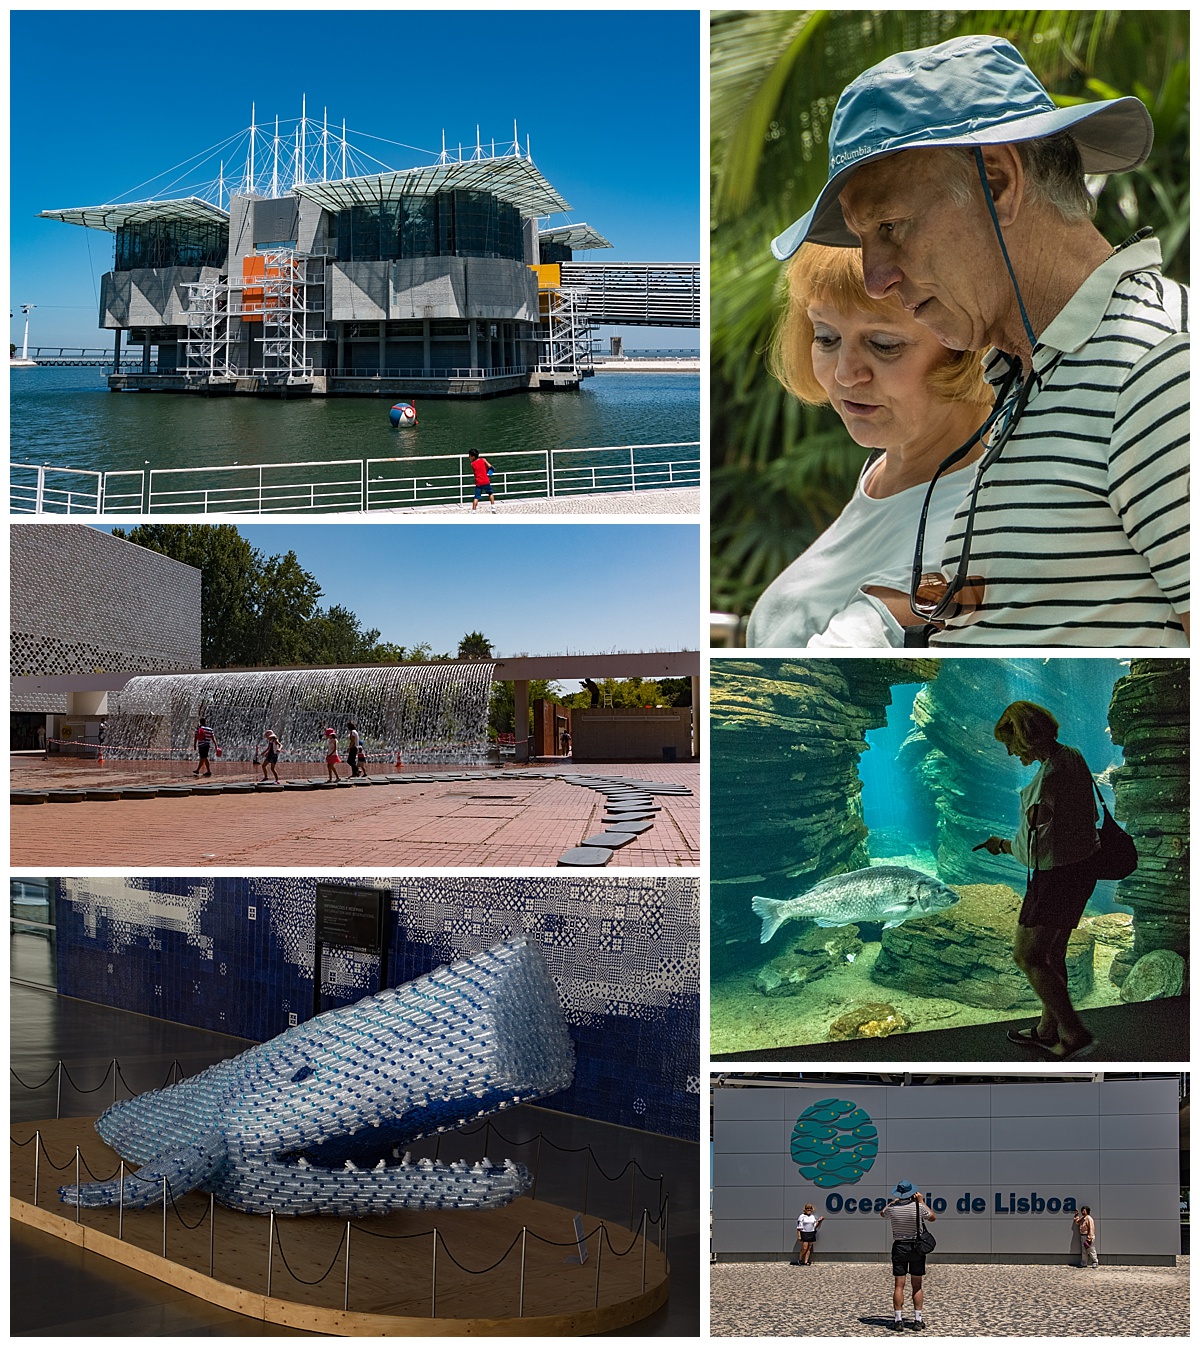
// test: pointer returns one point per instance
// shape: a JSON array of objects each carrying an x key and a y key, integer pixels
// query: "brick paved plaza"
[
  {"x": 849, "y": 1300},
  {"x": 517, "y": 818}
]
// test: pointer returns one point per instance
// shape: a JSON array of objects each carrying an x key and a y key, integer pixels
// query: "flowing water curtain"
[
  {"x": 426, "y": 712},
  {"x": 780, "y": 472}
]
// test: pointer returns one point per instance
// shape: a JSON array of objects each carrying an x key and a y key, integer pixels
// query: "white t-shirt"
[
  {"x": 806, "y": 1223},
  {"x": 818, "y": 601}
]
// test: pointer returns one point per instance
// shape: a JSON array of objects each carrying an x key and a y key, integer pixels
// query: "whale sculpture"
[{"x": 315, "y": 1120}]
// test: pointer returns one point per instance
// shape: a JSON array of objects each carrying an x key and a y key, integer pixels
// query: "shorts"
[
  {"x": 907, "y": 1259},
  {"x": 482, "y": 489},
  {"x": 271, "y": 759},
  {"x": 352, "y": 757},
  {"x": 807, "y": 1236},
  {"x": 203, "y": 750},
  {"x": 1057, "y": 897}
]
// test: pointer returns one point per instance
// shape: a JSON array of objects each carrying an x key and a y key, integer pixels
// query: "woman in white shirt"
[
  {"x": 1057, "y": 840},
  {"x": 806, "y": 1231},
  {"x": 897, "y": 389}
]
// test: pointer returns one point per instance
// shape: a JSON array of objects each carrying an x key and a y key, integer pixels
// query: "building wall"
[
  {"x": 82, "y": 601},
  {"x": 148, "y": 297},
  {"x": 977, "y": 1149},
  {"x": 236, "y": 956},
  {"x": 432, "y": 287},
  {"x": 631, "y": 734}
]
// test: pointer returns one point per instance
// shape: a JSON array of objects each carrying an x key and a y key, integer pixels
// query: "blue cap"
[{"x": 968, "y": 91}]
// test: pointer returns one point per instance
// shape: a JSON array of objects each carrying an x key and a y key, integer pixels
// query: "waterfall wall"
[{"x": 429, "y": 712}]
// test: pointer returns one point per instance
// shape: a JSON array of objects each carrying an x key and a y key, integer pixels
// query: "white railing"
[{"x": 351, "y": 484}]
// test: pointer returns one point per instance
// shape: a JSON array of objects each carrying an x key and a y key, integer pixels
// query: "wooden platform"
[{"x": 392, "y": 1287}]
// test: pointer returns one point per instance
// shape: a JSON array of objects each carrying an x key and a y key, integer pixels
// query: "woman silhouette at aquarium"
[
  {"x": 899, "y": 390},
  {"x": 1057, "y": 841}
]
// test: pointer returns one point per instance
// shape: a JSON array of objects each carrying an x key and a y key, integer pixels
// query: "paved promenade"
[
  {"x": 683, "y": 500},
  {"x": 850, "y": 1300},
  {"x": 518, "y": 819}
]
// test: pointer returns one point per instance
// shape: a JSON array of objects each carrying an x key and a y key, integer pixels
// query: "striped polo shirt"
[{"x": 1081, "y": 528}]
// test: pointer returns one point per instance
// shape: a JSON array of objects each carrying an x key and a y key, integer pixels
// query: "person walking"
[
  {"x": 354, "y": 749},
  {"x": 482, "y": 471},
  {"x": 806, "y": 1231},
  {"x": 907, "y": 1212},
  {"x": 331, "y": 755},
  {"x": 204, "y": 741},
  {"x": 271, "y": 756},
  {"x": 1057, "y": 840},
  {"x": 1086, "y": 1226}
]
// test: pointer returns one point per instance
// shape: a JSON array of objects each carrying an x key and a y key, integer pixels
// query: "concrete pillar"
[
  {"x": 695, "y": 715},
  {"x": 117, "y": 351},
  {"x": 521, "y": 719},
  {"x": 146, "y": 351},
  {"x": 426, "y": 354},
  {"x": 382, "y": 345},
  {"x": 87, "y": 704},
  {"x": 473, "y": 328},
  {"x": 341, "y": 346}
]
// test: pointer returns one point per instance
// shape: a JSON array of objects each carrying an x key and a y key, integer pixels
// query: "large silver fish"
[{"x": 888, "y": 893}]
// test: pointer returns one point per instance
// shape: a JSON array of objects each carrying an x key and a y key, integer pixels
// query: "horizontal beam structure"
[
  {"x": 637, "y": 294},
  {"x": 512, "y": 179},
  {"x": 113, "y": 217},
  {"x": 637, "y": 664}
]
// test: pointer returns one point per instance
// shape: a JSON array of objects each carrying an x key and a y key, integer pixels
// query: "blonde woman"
[
  {"x": 900, "y": 391},
  {"x": 1057, "y": 840},
  {"x": 806, "y": 1231}
]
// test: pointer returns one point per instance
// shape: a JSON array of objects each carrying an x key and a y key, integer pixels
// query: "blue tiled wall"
[{"x": 236, "y": 956}]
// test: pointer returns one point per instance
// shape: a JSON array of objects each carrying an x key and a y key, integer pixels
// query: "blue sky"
[
  {"x": 530, "y": 588},
  {"x": 609, "y": 100}
]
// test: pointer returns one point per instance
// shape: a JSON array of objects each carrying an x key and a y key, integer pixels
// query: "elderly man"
[{"x": 964, "y": 186}]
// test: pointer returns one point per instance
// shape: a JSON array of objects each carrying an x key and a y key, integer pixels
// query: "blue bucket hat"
[
  {"x": 968, "y": 91},
  {"x": 903, "y": 1189}
]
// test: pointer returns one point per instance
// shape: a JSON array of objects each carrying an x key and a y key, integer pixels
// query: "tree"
[
  {"x": 782, "y": 472},
  {"x": 475, "y": 645}
]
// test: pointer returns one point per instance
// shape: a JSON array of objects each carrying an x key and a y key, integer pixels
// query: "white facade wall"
[{"x": 1111, "y": 1145}]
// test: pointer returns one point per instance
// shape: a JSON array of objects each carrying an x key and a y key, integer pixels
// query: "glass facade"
[
  {"x": 550, "y": 251},
  {"x": 450, "y": 224},
  {"x": 171, "y": 243}
]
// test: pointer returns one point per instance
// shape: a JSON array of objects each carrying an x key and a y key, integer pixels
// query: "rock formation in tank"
[
  {"x": 965, "y": 953},
  {"x": 786, "y": 794},
  {"x": 1149, "y": 718}
]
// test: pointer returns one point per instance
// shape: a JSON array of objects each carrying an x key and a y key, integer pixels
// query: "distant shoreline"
[{"x": 634, "y": 365}]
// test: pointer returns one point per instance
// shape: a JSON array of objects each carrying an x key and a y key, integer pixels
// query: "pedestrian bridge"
[{"x": 637, "y": 294}]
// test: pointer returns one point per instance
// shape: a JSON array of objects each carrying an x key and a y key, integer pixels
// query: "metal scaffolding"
[
  {"x": 567, "y": 336},
  {"x": 206, "y": 348},
  {"x": 292, "y": 306}
]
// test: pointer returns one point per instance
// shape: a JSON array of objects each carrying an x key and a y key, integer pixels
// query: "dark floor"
[
  {"x": 1144, "y": 1031},
  {"x": 60, "y": 1290}
]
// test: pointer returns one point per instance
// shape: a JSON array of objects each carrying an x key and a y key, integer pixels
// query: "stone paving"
[
  {"x": 684, "y": 500},
  {"x": 850, "y": 1300},
  {"x": 518, "y": 819}
]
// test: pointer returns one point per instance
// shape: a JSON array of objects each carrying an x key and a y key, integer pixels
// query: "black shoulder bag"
[
  {"x": 925, "y": 1240},
  {"x": 1117, "y": 857}
]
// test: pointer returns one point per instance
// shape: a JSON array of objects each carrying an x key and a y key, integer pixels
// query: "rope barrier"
[
  {"x": 303, "y": 1281},
  {"x": 41, "y": 1086},
  {"x": 79, "y": 1088},
  {"x": 179, "y": 1214},
  {"x": 476, "y": 1272}
]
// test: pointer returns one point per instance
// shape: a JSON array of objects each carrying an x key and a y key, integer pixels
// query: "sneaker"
[
  {"x": 917, "y": 1323},
  {"x": 897, "y": 1325}
]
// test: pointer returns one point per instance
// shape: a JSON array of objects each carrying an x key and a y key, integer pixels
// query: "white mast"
[
  {"x": 300, "y": 169},
  {"x": 275, "y": 160},
  {"x": 325, "y": 147},
  {"x": 250, "y": 162},
  {"x": 343, "y": 147}
]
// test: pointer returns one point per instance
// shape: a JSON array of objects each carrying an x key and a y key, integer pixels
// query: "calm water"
[{"x": 67, "y": 417}]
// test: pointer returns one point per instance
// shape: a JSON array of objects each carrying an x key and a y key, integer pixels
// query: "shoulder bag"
[
  {"x": 1117, "y": 857},
  {"x": 925, "y": 1240}
]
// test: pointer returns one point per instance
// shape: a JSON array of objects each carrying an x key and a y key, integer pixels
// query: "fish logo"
[{"x": 834, "y": 1142}]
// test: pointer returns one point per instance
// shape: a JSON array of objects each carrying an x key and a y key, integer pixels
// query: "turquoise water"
[{"x": 68, "y": 418}]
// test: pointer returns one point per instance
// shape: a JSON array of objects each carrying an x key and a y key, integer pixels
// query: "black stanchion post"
[
  {"x": 600, "y": 1234},
  {"x": 270, "y": 1252},
  {"x": 346, "y": 1292},
  {"x": 77, "y": 1183},
  {"x": 37, "y": 1146},
  {"x": 521, "y": 1293}
]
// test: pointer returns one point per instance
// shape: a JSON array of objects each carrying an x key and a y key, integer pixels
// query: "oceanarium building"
[{"x": 432, "y": 280}]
